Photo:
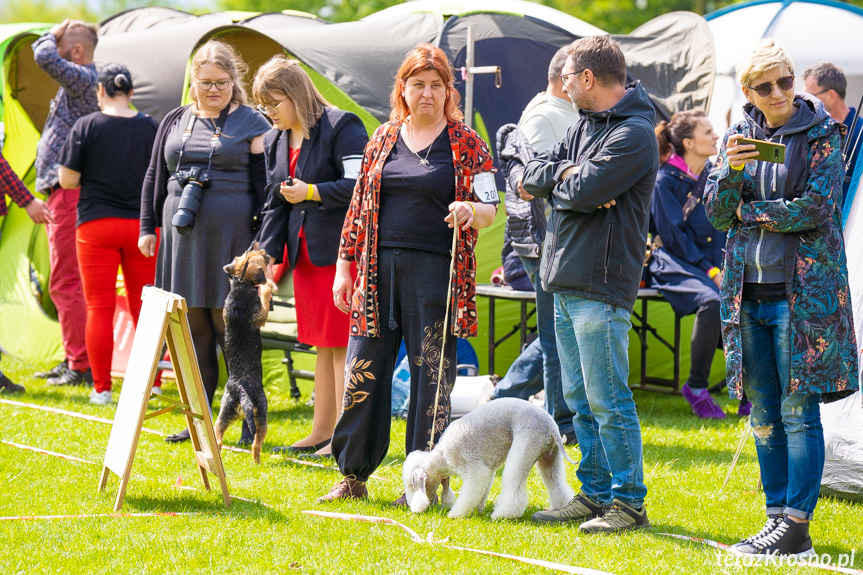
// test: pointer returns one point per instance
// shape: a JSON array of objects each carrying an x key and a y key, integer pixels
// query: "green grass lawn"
[{"x": 686, "y": 461}]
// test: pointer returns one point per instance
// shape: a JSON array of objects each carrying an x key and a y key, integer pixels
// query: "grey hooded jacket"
[{"x": 590, "y": 251}]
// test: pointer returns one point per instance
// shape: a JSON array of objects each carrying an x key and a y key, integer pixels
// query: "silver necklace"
[{"x": 423, "y": 161}]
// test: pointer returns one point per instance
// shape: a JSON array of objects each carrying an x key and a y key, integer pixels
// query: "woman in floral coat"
[
  {"x": 786, "y": 310},
  {"x": 418, "y": 179}
]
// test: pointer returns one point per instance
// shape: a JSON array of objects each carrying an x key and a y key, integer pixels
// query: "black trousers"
[{"x": 412, "y": 291}]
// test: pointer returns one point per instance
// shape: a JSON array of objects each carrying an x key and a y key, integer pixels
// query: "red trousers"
[
  {"x": 103, "y": 246},
  {"x": 65, "y": 283}
]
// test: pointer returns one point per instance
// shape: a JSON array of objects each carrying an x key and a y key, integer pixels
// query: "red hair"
[{"x": 425, "y": 57}]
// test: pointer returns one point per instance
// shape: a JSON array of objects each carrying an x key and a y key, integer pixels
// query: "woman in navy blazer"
[{"x": 312, "y": 156}]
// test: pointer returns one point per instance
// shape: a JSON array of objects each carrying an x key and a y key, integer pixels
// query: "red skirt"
[{"x": 319, "y": 321}]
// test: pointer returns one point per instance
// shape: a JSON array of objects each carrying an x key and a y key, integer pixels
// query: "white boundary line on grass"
[
  {"x": 71, "y": 414},
  {"x": 46, "y": 452},
  {"x": 801, "y": 563},
  {"x": 118, "y": 515},
  {"x": 417, "y": 539}
]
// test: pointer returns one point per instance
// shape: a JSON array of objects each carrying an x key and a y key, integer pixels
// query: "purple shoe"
[
  {"x": 744, "y": 409},
  {"x": 703, "y": 405}
]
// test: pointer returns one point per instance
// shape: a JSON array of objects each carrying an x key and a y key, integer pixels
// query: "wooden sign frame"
[{"x": 163, "y": 319}]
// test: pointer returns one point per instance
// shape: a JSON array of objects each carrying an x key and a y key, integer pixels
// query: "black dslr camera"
[{"x": 193, "y": 186}]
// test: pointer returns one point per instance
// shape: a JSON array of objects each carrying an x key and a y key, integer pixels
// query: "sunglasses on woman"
[{"x": 785, "y": 83}]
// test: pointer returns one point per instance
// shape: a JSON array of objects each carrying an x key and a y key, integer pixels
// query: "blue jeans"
[
  {"x": 789, "y": 438},
  {"x": 538, "y": 366},
  {"x": 593, "y": 338}
]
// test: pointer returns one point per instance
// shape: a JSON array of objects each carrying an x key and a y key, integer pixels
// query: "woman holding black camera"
[
  {"x": 204, "y": 188},
  {"x": 106, "y": 154},
  {"x": 312, "y": 155}
]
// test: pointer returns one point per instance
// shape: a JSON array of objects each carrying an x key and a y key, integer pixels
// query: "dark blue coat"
[
  {"x": 338, "y": 136},
  {"x": 691, "y": 245}
]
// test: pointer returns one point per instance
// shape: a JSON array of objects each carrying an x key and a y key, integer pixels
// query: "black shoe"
[
  {"x": 772, "y": 522},
  {"x": 788, "y": 538},
  {"x": 8, "y": 386},
  {"x": 291, "y": 450},
  {"x": 72, "y": 377},
  {"x": 178, "y": 437},
  {"x": 55, "y": 371}
]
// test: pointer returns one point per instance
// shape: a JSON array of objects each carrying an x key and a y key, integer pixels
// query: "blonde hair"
[
  {"x": 282, "y": 74},
  {"x": 225, "y": 57},
  {"x": 766, "y": 56}
]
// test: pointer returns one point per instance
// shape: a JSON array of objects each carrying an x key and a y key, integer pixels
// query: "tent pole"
[
  {"x": 467, "y": 74},
  {"x": 468, "y": 86}
]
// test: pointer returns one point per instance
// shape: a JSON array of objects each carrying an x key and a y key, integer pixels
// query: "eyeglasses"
[
  {"x": 821, "y": 92},
  {"x": 785, "y": 83},
  {"x": 207, "y": 85},
  {"x": 563, "y": 76},
  {"x": 269, "y": 109}
]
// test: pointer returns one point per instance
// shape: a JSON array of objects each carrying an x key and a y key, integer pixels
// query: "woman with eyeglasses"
[
  {"x": 313, "y": 155},
  {"x": 210, "y": 150},
  {"x": 786, "y": 309}
]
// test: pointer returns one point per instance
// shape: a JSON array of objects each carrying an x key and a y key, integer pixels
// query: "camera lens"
[{"x": 187, "y": 208}]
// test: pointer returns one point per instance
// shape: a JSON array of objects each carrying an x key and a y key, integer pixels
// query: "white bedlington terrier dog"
[{"x": 507, "y": 432}]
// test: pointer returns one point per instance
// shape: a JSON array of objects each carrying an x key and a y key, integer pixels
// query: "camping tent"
[
  {"x": 812, "y": 31},
  {"x": 843, "y": 420},
  {"x": 26, "y": 329}
]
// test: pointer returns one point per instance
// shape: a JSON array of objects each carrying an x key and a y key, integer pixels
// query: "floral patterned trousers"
[{"x": 412, "y": 298}]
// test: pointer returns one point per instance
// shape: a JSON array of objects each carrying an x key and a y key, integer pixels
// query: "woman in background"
[
  {"x": 686, "y": 263},
  {"x": 107, "y": 153}
]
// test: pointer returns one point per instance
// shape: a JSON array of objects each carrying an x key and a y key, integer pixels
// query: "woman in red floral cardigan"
[{"x": 414, "y": 185}]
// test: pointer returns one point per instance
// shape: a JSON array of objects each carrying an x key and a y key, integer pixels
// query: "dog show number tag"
[{"x": 485, "y": 188}]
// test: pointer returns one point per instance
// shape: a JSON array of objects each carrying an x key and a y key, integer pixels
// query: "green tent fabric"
[{"x": 27, "y": 331}]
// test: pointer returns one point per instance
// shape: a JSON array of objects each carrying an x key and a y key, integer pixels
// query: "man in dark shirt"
[
  {"x": 827, "y": 83},
  {"x": 66, "y": 54}
]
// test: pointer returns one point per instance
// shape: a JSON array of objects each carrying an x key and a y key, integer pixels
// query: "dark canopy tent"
[
  {"x": 522, "y": 46},
  {"x": 157, "y": 43},
  {"x": 361, "y": 58},
  {"x": 674, "y": 57}
]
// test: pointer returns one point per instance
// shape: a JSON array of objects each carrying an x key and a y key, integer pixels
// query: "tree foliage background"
[{"x": 614, "y": 16}]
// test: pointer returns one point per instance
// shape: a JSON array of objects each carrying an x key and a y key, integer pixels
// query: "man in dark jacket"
[{"x": 599, "y": 180}]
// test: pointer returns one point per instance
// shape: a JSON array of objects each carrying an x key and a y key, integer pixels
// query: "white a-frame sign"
[{"x": 163, "y": 318}]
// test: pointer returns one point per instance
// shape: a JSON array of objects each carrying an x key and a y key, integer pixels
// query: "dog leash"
[{"x": 455, "y": 235}]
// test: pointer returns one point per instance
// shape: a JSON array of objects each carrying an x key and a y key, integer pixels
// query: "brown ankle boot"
[{"x": 347, "y": 488}]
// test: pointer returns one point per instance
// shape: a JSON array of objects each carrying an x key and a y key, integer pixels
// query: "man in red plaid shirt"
[{"x": 37, "y": 210}]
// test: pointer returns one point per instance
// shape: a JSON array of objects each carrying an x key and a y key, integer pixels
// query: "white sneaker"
[
  {"x": 103, "y": 398},
  {"x": 156, "y": 390}
]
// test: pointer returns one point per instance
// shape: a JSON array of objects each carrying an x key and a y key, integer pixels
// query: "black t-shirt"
[
  {"x": 112, "y": 153},
  {"x": 415, "y": 198}
]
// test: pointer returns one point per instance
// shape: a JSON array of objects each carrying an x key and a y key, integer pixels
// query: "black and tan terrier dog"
[{"x": 245, "y": 312}]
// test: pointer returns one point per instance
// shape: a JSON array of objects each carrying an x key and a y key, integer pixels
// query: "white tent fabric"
[
  {"x": 843, "y": 420},
  {"x": 446, "y": 8},
  {"x": 813, "y": 31}
]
